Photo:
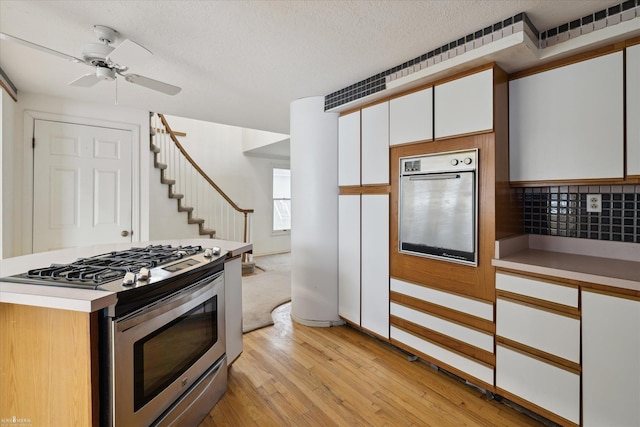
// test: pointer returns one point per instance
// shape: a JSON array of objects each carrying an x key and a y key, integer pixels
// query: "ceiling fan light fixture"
[{"x": 104, "y": 73}]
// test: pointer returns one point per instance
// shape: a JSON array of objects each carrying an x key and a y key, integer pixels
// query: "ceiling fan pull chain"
[{"x": 116, "y": 91}]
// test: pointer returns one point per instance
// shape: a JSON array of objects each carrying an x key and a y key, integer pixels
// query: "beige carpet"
[{"x": 264, "y": 290}]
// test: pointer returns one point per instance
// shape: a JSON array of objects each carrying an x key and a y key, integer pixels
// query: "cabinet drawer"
[
  {"x": 552, "y": 333},
  {"x": 536, "y": 288},
  {"x": 542, "y": 384},
  {"x": 461, "y": 333},
  {"x": 483, "y": 310},
  {"x": 475, "y": 369}
]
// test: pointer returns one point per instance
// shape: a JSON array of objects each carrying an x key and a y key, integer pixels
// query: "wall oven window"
[
  {"x": 438, "y": 212},
  {"x": 164, "y": 355}
]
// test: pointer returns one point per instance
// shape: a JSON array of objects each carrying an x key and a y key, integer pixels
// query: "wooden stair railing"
[{"x": 205, "y": 203}]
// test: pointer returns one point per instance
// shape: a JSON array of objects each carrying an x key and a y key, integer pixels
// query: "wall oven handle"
[{"x": 434, "y": 177}]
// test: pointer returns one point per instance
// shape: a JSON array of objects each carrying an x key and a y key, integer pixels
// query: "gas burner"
[{"x": 105, "y": 268}]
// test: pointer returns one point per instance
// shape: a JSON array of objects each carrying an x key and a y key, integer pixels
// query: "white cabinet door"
[
  {"x": 543, "y": 384},
  {"x": 349, "y": 257},
  {"x": 349, "y": 149},
  {"x": 568, "y": 123},
  {"x": 375, "y": 144},
  {"x": 610, "y": 360},
  {"x": 633, "y": 110},
  {"x": 464, "y": 105},
  {"x": 375, "y": 263},
  {"x": 411, "y": 117}
]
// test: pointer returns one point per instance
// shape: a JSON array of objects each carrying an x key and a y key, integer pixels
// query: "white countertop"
[
  {"x": 605, "y": 263},
  {"x": 85, "y": 300}
]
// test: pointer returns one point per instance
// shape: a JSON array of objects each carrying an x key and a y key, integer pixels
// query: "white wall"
[
  {"x": 16, "y": 214},
  {"x": 7, "y": 113},
  {"x": 218, "y": 149}
]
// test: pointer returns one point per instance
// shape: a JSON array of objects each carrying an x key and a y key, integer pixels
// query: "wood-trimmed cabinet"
[
  {"x": 464, "y": 105},
  {"x": 538, "y": 345},
  {"x": 452, "y": 331},
  {"x": 375, "y": 144},
  {"x": 411, "y": 117},
  {"x": 633, "y": 109},
  {"x": 363, "y": 261},
  {"x": 610, "y": 359},
  {"x": 567, "y": 123}
]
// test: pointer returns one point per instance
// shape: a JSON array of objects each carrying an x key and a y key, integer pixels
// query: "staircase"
[
  {"x": 170, "y": 183},
  {"x": 205, "y": 204}
]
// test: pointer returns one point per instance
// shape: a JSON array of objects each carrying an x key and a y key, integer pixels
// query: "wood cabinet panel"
[
  {"x": 540, "y": 383},
  {"x": 567, "y": 123},
  {"x": 349, "y": 149},
  {"x": 375, "y": 263},
  {"x": 464, "y": 105},
  {"x": 48, "y": 365},
  {"x": 375, "y": 144},
  {"x": 349, "y": 258},
  {"x": 610, "y": 360},
  {"x": 411, "y": 117}
]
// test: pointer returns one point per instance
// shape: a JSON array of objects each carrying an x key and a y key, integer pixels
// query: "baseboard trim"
[{"x": 317, "y": 323}]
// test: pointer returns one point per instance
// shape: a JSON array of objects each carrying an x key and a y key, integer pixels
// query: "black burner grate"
[{"x": 105, "y": 268}]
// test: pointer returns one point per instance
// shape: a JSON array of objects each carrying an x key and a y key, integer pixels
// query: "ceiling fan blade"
[
  {"x": 129, "y": 53},
  {"x": 152, "y": 84},
  {"x": 87, "y": 80},
  {"x": 4, "y": 36}
]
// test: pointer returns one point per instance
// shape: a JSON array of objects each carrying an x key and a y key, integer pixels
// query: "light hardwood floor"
[{"x": 292, "y": 375}]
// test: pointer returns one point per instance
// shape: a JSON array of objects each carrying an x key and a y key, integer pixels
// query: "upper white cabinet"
[
  {"x": 349, "y": 149},
  {"x": 411, "y": 117},
  {"x": 375, "y": 144},
  {"x": 633, "y": 110},
  {"x": 610, "y": 360},
  {"x": 464, "y": 105},
  {"x": 568, "y": 123}
]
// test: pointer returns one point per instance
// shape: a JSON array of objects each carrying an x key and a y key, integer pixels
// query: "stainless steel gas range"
[{"x": 162, "y": 345}]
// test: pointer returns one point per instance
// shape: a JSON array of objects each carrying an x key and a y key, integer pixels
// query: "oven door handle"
[
  {"x": 434, "y": 177},
  {"x": 202, "y": 290}
]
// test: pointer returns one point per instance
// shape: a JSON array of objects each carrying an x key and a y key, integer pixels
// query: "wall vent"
[{"x": 613, "y": 15}]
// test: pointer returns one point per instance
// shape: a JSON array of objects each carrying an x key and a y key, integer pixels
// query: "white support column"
[{"x": 314, "y": 213}]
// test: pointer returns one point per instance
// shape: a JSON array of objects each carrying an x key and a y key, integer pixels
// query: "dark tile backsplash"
[{"x": 562, "y": 211}]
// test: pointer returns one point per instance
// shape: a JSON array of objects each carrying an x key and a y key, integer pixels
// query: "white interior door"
[{"x": 82, "y": 185}]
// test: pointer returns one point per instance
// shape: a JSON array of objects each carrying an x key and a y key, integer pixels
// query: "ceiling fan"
[{"x": 106, "y": 60}]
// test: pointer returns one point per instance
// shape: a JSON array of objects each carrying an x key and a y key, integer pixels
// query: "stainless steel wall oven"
[{"x": 438, "y": 207}]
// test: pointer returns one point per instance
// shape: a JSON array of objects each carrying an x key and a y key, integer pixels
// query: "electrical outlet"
[{"x": 594, "y": 202}]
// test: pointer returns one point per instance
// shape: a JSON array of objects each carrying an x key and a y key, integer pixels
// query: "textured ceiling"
[{"x": 242, "y": 62}]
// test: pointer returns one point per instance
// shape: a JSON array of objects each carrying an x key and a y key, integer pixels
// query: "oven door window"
[
  {"x": 438, "y": 215},
  {"x": 162, "y": 356}
]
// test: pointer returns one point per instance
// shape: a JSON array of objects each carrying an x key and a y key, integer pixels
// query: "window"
[{"x": 281, "y": 199}]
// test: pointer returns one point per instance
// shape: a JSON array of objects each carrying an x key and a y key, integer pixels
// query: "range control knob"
[
  {"x": 129, "y": 279},
  {"x": 454, "y": 162},
  {"x": 208, "y": 253},
  {"x": 467, "y": 161},
  {"x": 144, "y": 274}
]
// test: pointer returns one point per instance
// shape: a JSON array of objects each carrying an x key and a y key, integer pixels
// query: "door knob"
[{"x": 124, "y": 233}]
